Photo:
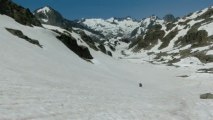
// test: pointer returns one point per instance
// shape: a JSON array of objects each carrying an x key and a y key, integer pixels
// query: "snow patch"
[{"x": 44, "y": 10}]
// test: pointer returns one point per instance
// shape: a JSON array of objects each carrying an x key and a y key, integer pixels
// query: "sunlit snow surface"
[
  {"x": 52, "y": 83},
  {"x": 44, "y": 10}
]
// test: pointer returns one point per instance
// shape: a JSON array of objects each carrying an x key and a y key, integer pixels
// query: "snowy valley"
[{"x": 57, "y": 69}]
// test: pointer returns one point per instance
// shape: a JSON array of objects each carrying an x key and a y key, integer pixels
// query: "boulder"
[{"x": 206, "y": 96}]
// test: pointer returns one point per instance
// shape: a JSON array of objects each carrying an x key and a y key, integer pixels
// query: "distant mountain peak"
[
  {"x": 44, "y": 9},
  {"x": 48, "y": 15}
]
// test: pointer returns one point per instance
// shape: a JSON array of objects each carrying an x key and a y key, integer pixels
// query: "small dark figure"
[{"x": 140, "y": 85}]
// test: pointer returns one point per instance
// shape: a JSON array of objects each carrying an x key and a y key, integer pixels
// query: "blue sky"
[{"x": 76, "y": 9}]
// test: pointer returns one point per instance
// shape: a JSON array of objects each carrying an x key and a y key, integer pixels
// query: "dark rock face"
[
  {"x": 112, "y": 48},
  {"x": 154, "y": 34},
  {"x": 196, "y": 38},
  {"x": 206, "y": 15},
  {"x": 53, "y": 17},
  {"x": 126, "y": 40},
  {"x": 109, "y": 53},
  {"x": 206, "y": 96},
  {"x": 169, "y": 18},
  {"x": 204, "y": 58},
  {"x": 20, "y": 14},
  {"x": 134, "y": 32},
  {"x": 184, "y": 23},
  {"x": 206, "y": 70},
  {"x": 151, "y": 38},
  {"x": 166, "y": 40},
  {"x": 102, "y": 48},
  {"x": 21, "y": 35},
  {"x": 71, "y": 43},
  {"x": 169, "y": 26},
  {"x": 88, "y": 40}
]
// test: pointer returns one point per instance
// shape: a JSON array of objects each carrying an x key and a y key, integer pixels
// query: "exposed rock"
[
  {"x": 185, "y": 22},
  {"x": 196, "y": 38},
  {"x": 88, "y": 40},
  {"x": 134, "y": 32},
  {"x": 126, "y": 40},
  {"x": 50, "y": 17},
  {"x": 71, "y": 43},
  {"x": 206, "y": 70},
  {"x": 169, "y": 26},
  {"x": 169, "y": 18},
  {"x": 151, "y": 38},
  {"x": 166, "y": 40},
  {"x": 206, "y": 96},
  {"x": 203, "y": 57},
  {"x": 183, "y": 76},
  {"x": 112, "y": 48},
  {"x": 21, "y": 35},
  {"x": 20, "y": 14},
  {"x": 102, "y": 48},
  {"x": 206, "y": 15},
  {"x": 109, "y": 53}
]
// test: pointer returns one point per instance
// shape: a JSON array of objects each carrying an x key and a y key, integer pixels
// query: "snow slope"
[
  {"x": 52, "y": 83},
  {"x": 44, "y": 9}
]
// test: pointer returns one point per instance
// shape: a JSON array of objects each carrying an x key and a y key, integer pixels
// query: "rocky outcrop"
[
  {"x": 196, "y": 38},
  {"x": 206, "y": 15},
  {"x": 169, "y": 18},
  {"x": 102, "y": 48},
  {"x": 49, "y": 16},
  {"x": 20, "y": 14},
  {"x": 206, "y": 96},
  {"x": 151, "y": 38},
  {"x": 88, "y": 40},
  {"x": 166, "y": 40},
  {"x": 21, "y": 35},
  {"x": 71, "y": 43}
]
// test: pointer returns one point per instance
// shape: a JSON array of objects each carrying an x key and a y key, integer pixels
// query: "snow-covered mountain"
[
  {"x": 48, "y": 15},
  {"x": 170, "y": 42},
  {"x": 50, "y": 72},
  {"x": 112, "y": 27}
]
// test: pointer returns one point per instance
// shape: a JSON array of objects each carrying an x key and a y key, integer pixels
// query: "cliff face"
[{"x": 20, "y": 14}]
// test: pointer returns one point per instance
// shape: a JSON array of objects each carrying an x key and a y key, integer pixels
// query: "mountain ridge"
[
  {"x": 154, "y": 33},
  {"x": 53, "y": 72}
]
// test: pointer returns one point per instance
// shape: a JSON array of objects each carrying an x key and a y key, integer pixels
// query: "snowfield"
[
  {"x": 112, "y": 26},
  {"x": 52, "y": 83}
]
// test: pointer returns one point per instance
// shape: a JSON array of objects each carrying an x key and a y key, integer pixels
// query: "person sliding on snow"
[{"x": 140, "y": 85}]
